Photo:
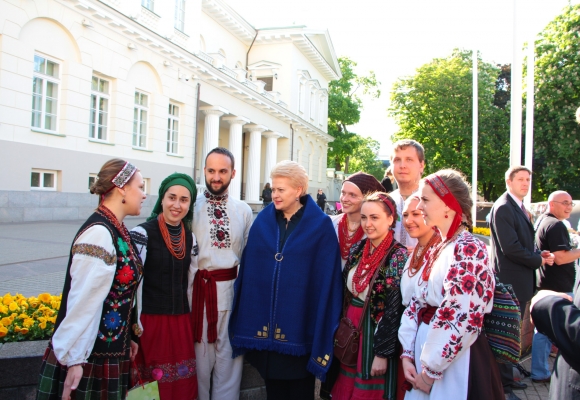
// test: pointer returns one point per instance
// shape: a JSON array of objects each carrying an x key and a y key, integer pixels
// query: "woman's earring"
[
  {"x": 446, "y": 216},
  {"x": 123, "y": 201}
]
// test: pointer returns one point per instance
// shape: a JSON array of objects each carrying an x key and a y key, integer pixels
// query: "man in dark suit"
[
  {"x": 514, "y": 257},
  {"x": 558, "y": 318}
]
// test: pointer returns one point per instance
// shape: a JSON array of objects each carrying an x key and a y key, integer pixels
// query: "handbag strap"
[{"x": 371, "y": 283}]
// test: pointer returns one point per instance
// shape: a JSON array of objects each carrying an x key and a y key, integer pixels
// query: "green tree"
[
  {"x": 344, "y": 106},
  {"x": 434, "y": 107},
  {"x": 557, "y": 96}
]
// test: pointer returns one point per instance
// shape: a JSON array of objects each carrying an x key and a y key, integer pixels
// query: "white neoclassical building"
[{"x": 156, "y": 82}]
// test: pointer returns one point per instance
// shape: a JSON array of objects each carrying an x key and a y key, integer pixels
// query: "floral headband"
[
  {"x": 124, "y": 175},
  {"x": 441, "y": 190}
]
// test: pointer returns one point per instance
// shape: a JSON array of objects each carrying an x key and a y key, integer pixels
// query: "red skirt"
[{"x": 166, "y": 354}]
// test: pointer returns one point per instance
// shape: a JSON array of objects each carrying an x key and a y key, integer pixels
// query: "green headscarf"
[{"x": 172, "y": 180}]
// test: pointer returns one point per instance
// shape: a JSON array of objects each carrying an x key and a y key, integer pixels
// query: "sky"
[{"x": 395, "y": 37}]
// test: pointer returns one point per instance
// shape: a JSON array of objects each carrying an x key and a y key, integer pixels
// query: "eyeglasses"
[{"x": 565, "y": 203}]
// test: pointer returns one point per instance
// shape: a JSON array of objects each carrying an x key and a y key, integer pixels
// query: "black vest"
[
  {"x": 114, "y": 334},
  {"x": 165, "y": 277}
]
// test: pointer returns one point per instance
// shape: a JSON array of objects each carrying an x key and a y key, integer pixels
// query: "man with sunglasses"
[{"x": 552, "y": 235}]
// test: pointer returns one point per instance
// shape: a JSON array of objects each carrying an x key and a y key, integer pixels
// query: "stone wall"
[
  {"x": 21, "y": 206},
  {"x": 20, "y": 367}
]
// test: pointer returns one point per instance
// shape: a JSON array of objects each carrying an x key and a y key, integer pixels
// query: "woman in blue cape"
[{"x": 288, "y": 294}]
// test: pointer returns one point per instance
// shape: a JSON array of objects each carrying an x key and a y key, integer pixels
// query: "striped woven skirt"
[
  {"x": 103, "y": 378},
  {"x": 350, "y": 384}
]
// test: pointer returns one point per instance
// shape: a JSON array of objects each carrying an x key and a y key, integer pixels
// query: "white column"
[
  {"x": 253, "y": 176},
  {"x": 235, "y": 146},
  {"x": 211, "y": 129},
  {"x": 271, "y": 153}
]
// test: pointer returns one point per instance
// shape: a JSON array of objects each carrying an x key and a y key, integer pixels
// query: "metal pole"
[
  {"x": 475, "y": 139},
  {"x": 516, "y": 96},
  {"x": 530, "y": 114}
]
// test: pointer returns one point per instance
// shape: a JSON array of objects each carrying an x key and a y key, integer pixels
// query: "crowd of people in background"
[{"x": 184, "y": 297}]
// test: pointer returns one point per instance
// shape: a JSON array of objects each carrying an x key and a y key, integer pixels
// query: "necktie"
[{"x": 525, "y": 212}]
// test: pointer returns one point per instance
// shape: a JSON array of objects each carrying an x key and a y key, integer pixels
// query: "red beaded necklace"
[
  {"x": 344, "y": 239},
  {"x": 112, "y": 218},
  {"x": 419, "y": 253},
  {"x": 370, "y": 262},
  {"x": 437, "y": 252},
  {"x": 175, "y": 244}
]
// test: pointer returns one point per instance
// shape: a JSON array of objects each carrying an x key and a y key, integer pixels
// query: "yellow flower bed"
[
  {"x": 482, "y": 231},
  {"x": 29, "y": 318}
]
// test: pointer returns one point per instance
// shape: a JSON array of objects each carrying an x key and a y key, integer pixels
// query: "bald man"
[{"x": 552, "y": 235}]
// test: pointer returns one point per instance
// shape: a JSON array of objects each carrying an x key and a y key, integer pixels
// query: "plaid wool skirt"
[{"x": 103, "y": 378}]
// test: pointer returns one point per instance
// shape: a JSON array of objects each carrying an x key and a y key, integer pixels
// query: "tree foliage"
[
  {"x": 349, "y": 150},
  {"x": 435, "y": 108},
  {"x": 557, "y": 96}
]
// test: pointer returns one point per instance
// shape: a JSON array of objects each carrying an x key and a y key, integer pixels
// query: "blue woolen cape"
[{"x": 291, "y": 306}]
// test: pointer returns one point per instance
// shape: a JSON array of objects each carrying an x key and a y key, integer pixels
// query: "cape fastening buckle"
[{"x": 278, "y": 257}]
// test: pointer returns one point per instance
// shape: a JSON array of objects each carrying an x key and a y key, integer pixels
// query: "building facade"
[{"x": 156, "y": 82}]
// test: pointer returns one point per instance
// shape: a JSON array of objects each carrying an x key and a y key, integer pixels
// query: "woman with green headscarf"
[{"x": 168, "y": 250}]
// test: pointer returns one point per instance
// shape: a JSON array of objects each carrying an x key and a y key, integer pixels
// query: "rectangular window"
[
  {"x": 148, "y": 4},
  {"x": 140, "y": 120},
  {"x": 92, "y": 179},
  {"x": 45, "y": 93},
  {"x": 173, "y": 129},
  {"x": 43, "y": 180},
  {"x": 99, "y": 108},
  {"x": 312, "y": 106},
  {"x": 269, "y": 83},
  {"x": 180, "y": 14},
  {"x": 300, "y": 97}
]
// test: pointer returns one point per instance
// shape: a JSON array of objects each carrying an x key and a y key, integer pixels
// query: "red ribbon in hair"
[
  {"x": 385, "y": 200},
  {"x": 441, "y": 190}
]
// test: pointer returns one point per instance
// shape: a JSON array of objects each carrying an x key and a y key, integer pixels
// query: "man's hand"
[{"x": 547, "y": 257}]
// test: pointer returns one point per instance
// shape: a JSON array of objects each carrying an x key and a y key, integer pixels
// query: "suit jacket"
[
  {"x": 559, "y": 319},
  {"x": 512, "y": 239}
]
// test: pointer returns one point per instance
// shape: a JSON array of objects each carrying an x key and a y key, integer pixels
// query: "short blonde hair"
[{"x": 294, "y": 172}]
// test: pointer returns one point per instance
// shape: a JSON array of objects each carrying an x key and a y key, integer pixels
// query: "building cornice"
[{"x": 199, "y": 66}]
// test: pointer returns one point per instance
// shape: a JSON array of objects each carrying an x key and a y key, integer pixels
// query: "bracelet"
[{"x": 425, "y": 382}]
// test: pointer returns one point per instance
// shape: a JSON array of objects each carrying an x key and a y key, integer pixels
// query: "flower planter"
[{"x": 19, "y": 369}]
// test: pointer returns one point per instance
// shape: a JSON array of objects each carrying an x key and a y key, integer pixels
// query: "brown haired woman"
[
  {"x": 375, "y": 375},
  {"x": 427, "y": 238},
  {"x": 169, "y": 251},
  {"x": 91, "y": 349},
  {"x": 449, "y": 356}
]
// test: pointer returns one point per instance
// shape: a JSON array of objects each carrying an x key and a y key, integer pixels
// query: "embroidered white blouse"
[
  {"x": 92, "y": 274},
  {"x": 221, "y": 226},
  {"x": 461, "y": 285}
]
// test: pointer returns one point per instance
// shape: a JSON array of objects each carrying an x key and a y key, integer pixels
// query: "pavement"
[{"x": 34, "y": 257}]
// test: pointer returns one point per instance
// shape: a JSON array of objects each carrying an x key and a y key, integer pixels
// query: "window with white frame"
[
  {"x": 92, "y": 179},
  {"x": 300, "y": 97},
  {"x": 45, "y": 83},
  {"x": 140, "y": 120},
  {"x": 173, "y": 129},
  {"x": 148, "y": 4},
  {"x": 99, "y": 108},
  {"x": 180, "y": 14},
  {"x": 312, "y": 106},
  {"x": 146, "y": 185},
  {"x": 321, "y": 110},
  {"x": 41, "y": 179}
]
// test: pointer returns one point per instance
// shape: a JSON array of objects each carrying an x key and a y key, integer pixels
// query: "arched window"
[{"x": 201, "y": 43}]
